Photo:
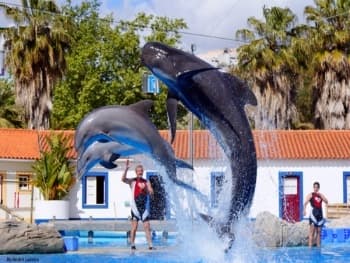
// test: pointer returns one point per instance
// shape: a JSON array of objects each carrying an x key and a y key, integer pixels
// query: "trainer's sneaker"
[{"x": 133, "y": 247}]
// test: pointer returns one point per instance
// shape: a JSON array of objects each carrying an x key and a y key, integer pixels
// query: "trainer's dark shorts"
[
  {"x": 316, "y": 217},
  {"x": 141, "y": 202}
]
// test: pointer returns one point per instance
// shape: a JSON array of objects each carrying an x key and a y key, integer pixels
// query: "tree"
[
  {"x": 36, "y": 46},
  {"x": 329, "y": 33},
  {"x": 10, "y": 114},
  {"x": 104, "y": 67},
  {"x": 269, "y": 66}
]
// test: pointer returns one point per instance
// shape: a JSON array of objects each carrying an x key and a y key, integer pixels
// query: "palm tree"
[
  {"x": 35, "y": 48},
  {"x": 270, "y": 68},
  {"x": 330, "y": 34},
  {"x": 10, "y": 115}
]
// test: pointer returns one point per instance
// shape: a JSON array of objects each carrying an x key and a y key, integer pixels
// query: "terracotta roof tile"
[
  {"x": 18, "y": 144},
  {"x": 67, "y": 133},
  {"x": 271, "y": 144}
]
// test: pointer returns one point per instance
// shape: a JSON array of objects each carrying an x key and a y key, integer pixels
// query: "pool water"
[
  {"x": 113, "y": 247},
  {"x": 104, "y": 239},
  {"x": 331, "y": 253}
]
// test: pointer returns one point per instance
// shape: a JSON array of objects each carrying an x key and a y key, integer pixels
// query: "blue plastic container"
[{"x": 71, "y": 243}]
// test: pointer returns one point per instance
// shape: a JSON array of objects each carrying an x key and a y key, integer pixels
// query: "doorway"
[{"x": 290, "y": 196}]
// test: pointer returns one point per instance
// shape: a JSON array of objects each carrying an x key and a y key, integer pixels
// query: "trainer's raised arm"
[{"x": 124, "y": 179}]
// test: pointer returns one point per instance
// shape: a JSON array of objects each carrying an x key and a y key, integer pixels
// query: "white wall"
[{"x": 329, "y": 173}]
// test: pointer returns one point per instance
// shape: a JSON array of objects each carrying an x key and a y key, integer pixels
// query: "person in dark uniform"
[
  {"x": 316, "y": 219},
  {"x": 141, "y": 189}
]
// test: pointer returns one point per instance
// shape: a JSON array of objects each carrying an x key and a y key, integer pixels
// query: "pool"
[
  {"x": 113, "y": 247},
  {"x": 331, "y": 253}
]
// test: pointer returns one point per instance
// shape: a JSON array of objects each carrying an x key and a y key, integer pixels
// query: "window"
[
  {"x": 216, "y": 183},
  {"x": 346, "y": 187},
  {"x": 23, "y": 182},
  {"x": 95, "y": 190}
]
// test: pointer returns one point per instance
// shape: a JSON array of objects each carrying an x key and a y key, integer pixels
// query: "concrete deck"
[{"x": 111, "y": 225}]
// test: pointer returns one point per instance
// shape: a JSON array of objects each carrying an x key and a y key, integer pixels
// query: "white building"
[
  {"x": 221, "y": 58},
  {"x": 288, "y": 164}
]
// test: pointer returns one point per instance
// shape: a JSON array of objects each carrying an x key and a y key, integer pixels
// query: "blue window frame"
[
  {"x": 95, "y": 190},
  {"x": 346, "y": 187},
  {"x": 216, "y": 183}
]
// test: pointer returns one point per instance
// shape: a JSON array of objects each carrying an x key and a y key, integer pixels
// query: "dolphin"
[
  {"x": 218, "y": 100},
  {"x": 104, "y": 153},
  {"x": 130, "y": 125}
]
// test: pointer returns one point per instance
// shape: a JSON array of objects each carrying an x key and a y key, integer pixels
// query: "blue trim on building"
[
  {"x": 106, "y": 186},
  {"x": 280, "y": 191},
  {"x": 213, "y": 197},
  {"x": 346, "y": 175}
]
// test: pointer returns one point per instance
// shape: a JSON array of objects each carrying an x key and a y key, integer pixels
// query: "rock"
[
  {"x": 267, "y": 230},
  {"x": 295, "y": 234},
  {"x": 22, "y": 238},
  {"x": 271, "y": 231}
]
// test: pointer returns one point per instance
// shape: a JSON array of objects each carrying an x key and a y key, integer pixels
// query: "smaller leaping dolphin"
[
  {"x": 130, "y": 125},
  {"x": 104, "y": 153}
]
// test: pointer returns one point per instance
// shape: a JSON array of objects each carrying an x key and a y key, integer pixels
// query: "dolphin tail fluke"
[
  {"x": 182, "y": 164},
  {"x": 222, "y": 229}
]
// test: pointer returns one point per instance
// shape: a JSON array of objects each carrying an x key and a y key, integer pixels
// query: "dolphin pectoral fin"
[
  {"x": 108, "y": 165},
  {"x": 191, "y": 73},
  {"x": 184, "y": 79},
  {"x": 240, "y": 89},
  {"x": 182, "y": 164},
  {"x": 171, "y": 107},
  {"x": 113, "y": 157}
]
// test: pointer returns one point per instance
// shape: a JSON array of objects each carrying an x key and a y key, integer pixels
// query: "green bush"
[{"x": 54, "y": 175}]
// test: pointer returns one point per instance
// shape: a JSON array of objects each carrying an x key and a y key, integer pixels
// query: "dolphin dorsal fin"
[
  {"x": 142, "y": 107},
  {"x": 241, "y": 90}
]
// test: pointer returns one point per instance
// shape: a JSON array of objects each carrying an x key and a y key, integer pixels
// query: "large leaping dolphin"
[
  {"x": 218, "y": 100},
  {"x": 129, "y": 125}
]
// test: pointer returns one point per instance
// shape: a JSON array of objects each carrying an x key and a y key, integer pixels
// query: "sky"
[{"x": 218, "y": 19}]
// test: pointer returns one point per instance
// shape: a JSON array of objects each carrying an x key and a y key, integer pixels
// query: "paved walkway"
[{"x": 111, "y": 225}]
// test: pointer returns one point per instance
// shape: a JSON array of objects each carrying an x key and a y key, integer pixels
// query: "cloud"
[{"x": 218, "y": 19}]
